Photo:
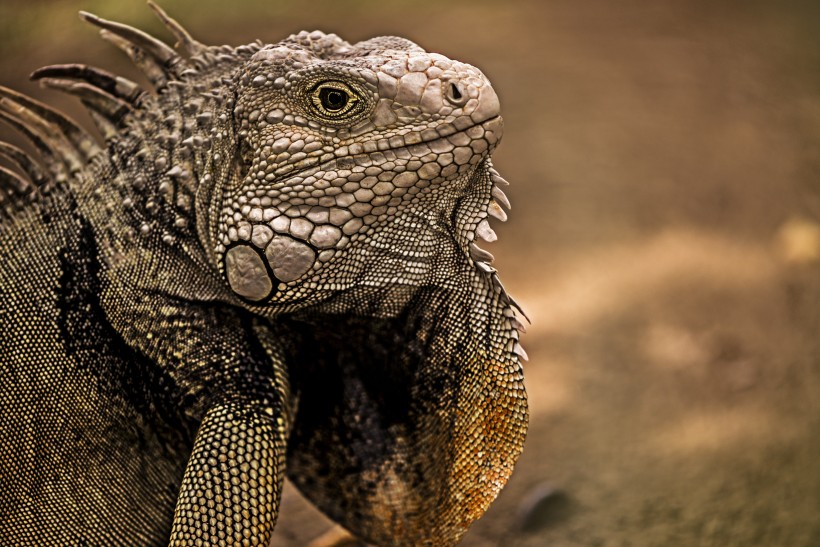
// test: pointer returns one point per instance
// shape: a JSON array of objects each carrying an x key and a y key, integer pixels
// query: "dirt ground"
[{"x": 664, "y": 238}]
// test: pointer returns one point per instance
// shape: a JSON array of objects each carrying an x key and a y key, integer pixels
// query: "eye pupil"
[{"x": 333, "y": 99}]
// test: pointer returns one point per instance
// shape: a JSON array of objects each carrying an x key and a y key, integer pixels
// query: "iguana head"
[{"x": 354, "y": 166}]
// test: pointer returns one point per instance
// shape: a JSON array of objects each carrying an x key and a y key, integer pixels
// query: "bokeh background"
[{"x": 664, "y": 163}]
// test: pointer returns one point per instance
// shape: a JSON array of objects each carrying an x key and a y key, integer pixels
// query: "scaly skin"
[{"x": 270, "y": 268}]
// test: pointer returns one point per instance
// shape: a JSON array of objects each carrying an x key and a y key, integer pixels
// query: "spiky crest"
[{"x": 65, "y": 148}]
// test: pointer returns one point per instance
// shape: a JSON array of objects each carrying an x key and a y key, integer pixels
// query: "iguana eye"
[{"x": 333, "y": 99}]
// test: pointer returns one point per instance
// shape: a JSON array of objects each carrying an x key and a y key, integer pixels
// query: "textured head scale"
[{"x": 337, "y": 189}]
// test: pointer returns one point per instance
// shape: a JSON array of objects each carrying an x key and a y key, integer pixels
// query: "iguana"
[{"x": 268, "y": 267}]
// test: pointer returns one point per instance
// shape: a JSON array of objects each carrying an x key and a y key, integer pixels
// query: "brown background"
[{"x": 664, "y": 238}]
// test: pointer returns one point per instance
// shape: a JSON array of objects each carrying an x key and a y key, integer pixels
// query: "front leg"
[
  {"x": 229, "y": 377},
  {"x": 233, "y": 481}
]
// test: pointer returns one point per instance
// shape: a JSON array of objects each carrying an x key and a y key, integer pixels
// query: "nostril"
[{"x": 454, "y": 94}]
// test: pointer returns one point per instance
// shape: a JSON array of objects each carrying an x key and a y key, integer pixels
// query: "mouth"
[{"x": 347, "y": 157}]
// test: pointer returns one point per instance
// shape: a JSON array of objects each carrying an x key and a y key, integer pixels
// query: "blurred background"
[{"x": 664, "y": 164}]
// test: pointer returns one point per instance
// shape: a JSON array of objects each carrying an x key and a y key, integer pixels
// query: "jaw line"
[{"x": 334, "y": 162}]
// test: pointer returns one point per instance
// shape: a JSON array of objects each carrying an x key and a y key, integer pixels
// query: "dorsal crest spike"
[
  {"x": 24, "y": 162},
  {"x": 184, "y": 39},
  {"x": 79, "y": 138},
  {"x": 51, "y": 159},
  {"x": 116, "y": 86},
  {"x": 109, "y": 107},
  {"x": 46, "y": 136},
  {"x": 155, "y": 58},
  {"x": 150, "y": 45},
  {"x": 13, "y": 183},
  {"x": 14, "y": 192},
  {"x": 152, "y": 70}
]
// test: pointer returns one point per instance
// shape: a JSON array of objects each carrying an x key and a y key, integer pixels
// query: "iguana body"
[{"x": 270, "y": 265}]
